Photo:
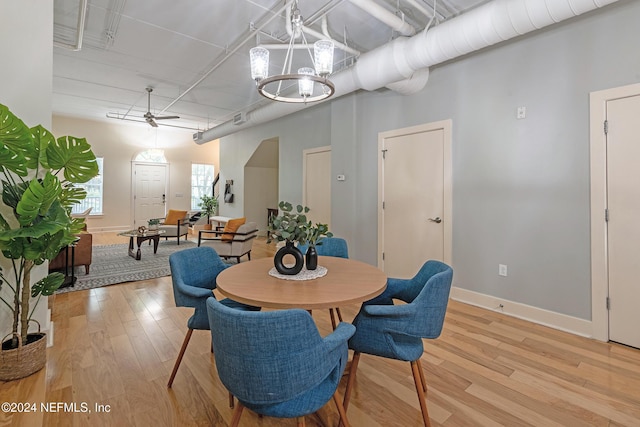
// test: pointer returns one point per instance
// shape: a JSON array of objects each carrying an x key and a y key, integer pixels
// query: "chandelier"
[{"x": 278, "y": 87}]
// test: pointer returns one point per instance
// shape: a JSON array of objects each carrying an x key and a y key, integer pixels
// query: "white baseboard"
[
  {"x": 111, "y": 229},
  {"x": 537, "y": 315}
]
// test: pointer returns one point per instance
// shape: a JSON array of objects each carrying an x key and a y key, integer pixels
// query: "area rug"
[{"x": 111, "y": 264}]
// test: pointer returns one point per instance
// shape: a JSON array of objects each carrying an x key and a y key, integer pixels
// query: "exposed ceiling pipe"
[
  {"x": 420, "y": 8},
  {"x": 383, "y": 15},
  {"x": 413, "y": 84},
  {"x": 312, "y": 33},
  {"x": 398, "y": 60},
  {"x": 336, "y": 43},
  {"x": 82, "y": 16},
  {"x": 228, "y": 55}
]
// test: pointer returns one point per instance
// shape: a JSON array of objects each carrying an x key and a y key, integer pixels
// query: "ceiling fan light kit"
[{"x": 275, "y": 87}]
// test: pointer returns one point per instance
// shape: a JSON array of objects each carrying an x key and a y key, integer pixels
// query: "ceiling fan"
[{"x": 149, "y": 117}]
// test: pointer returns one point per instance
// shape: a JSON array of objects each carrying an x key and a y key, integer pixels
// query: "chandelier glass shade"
[{"x": 279, "y": 87}]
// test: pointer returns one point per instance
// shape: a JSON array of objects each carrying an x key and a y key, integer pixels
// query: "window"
[
  {"x": 201, "y": 183},
  {"x": 152, "y": 155},
  {"x": 93, "y": 188}
]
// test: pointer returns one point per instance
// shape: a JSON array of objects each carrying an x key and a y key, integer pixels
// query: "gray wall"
[{"x": 520, "y": 187}]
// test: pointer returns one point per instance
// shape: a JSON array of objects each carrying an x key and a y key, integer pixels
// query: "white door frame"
[
  {"x": 133, "y": 185},
  {"x": 598, "y": 154},
  {"x": 446, "y": 126}
]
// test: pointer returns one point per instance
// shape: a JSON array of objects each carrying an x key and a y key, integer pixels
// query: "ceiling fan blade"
[
  {"x": 165, "y": 117},
  {"x": 152, "y": 122}
]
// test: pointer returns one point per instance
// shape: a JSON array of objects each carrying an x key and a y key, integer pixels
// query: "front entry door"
[
  {"x": 415, "y": 198},
  {"x": 150, "y": 190},
  {"x": 623, "y": 226}
]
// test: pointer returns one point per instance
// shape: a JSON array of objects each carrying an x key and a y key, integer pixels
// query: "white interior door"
[
  {"x": 415, "y": 219},
  {"x": 316, "y": 193},
  {"x": 149, "y": 192},
  {"x": 623, "y": 226}
]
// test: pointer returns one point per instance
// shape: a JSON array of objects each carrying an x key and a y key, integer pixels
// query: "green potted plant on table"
[
  {"x": 38, "y": 174},
  {"x": 289, "y": 227},
  {"x": 209, "y": 206},
  {"x": 315, "y": 234},
  {"x": 153, "y": 224}
]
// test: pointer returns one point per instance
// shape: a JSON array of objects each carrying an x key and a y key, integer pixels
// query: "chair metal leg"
[
  {"x": 343, "y": 413},
  {"x": 352, "y": 379},
  {"x": 420, "y": 391},
  {"x": 339, "y": 314},
  {"x": 424, "y": 383},
  {"x": 179, "y": 359},
  {"x": 237, "y": 413},
  {"x": 231, "y": 400},
  {"x": 333, "y": 319},
  {"x": 301, "y": 422}
]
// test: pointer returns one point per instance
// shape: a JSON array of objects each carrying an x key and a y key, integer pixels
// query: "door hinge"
[
  {"x": 384, "y": 154},
  {"x": 606, "y": 215},
  {"x": 382, "y": 205},
  {"x": 606, "y": 127},
  {"x": 383, "y": 256},
  {"x": 608, "y": 303}
]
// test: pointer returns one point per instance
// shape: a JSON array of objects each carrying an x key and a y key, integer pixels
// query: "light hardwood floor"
[{"x": 116, "y": 346}]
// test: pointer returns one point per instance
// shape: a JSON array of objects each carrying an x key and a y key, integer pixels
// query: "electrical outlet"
[
  {"x": 521, "y": 112},
  {"x": 502, "y": 270}
]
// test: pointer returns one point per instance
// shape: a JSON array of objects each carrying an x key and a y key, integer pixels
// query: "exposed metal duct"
[
  {"x": 398, "y": 60},
  {"x": 382, "y": 14}
]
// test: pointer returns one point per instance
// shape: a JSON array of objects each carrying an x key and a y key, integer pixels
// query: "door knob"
[{"x": 437, "y": 220}]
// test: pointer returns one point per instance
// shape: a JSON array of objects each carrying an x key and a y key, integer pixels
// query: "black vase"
[
  {"x": 312, "y": 258},
  {"x": 288, "y": 249}
]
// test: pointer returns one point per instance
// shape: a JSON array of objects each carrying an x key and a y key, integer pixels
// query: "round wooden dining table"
[{"x": 347, "y": 281}]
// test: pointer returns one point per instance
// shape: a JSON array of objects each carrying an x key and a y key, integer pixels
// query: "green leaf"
[
  {"x": 37, "y": 199},
  {"x": 18, "y": 148},
  {"x": 13, "y": 161},
  {"x": 71, "y": 195},
  {"x": 48, "y": 285},
  {"x": 54, "y": 221},
  {"x": 74, "y": 155},
  {"x": 42, "y": 139},
  {"x": 11, "y": 194}
]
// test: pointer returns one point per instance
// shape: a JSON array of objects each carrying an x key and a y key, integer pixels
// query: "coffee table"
[
  {"x": 347, "y": 281},
  {"x": 142, "y": 237}
]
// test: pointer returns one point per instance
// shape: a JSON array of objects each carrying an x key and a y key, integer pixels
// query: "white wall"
[
  {"x": 520, "y": 187},
  {"x": 295, "y": 133},
  {"x": 26, "y": 31},
  {"x": 262, "y": 194},
  {"x": 119, "y": 143}
]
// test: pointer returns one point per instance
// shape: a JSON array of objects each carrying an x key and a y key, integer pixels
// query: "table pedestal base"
[{"x": 143, "y": 238}]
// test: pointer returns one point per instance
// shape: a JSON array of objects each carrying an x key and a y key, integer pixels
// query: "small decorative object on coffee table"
[
  {"x": 142, "y": 236},
  {"x": 290, "y": 227},
  {"x": 153, "y": 223}
]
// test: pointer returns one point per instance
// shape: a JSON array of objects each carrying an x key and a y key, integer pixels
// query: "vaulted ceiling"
[{"x": 195, "y": 54}]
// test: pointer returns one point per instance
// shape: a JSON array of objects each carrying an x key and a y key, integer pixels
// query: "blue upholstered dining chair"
[
  {"x": 276, "y": 363},
  {"x": 330, "y": 246},
  {"x": 396, "y": 331},
  {"x": 193, "y": 273}
]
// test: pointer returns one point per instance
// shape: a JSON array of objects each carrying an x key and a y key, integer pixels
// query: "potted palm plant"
[
  {"x": 289, "y": 227},
  {"x": 209, "y": 206},
  {"x": 38, "y": 174}
]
